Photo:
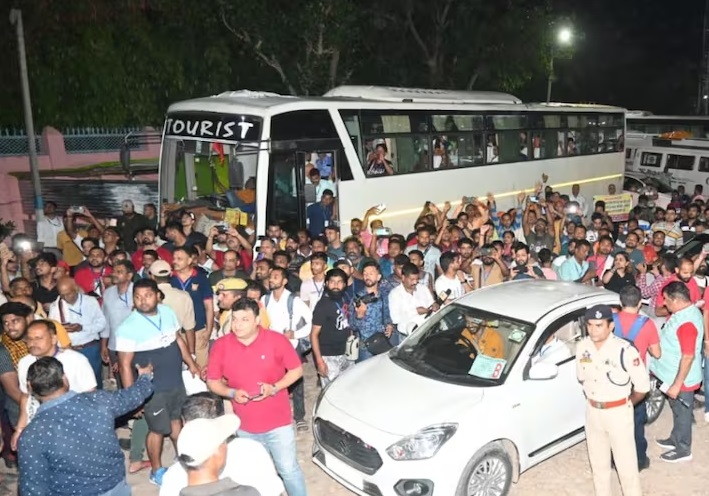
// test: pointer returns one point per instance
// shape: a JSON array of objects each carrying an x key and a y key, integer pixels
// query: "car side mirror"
[{"x": 543, "y": 371}]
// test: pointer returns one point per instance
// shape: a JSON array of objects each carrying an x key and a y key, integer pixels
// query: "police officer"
[{"x": 614, "y": 379}]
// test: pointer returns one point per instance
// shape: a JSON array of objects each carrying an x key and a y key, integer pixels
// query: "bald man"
[{"x": 82, "y": 317}]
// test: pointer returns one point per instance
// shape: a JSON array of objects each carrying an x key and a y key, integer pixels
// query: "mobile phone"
[
  {"x": 221, "y": 228},
  {"x": 381, "y": 208},
  {"x": 255, "y": 394},
  {"x": 382, "y": 232},
  {"x": 77, "y": 209},
  {"x": 534, "y": 199}
]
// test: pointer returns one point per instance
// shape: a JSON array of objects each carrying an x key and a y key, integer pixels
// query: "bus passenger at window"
[
  {"x": 320, "y": 214},
  {"x": 493, "y": 154},
  {"x": 571, "y": 147},
  {"x": 379, "y": 165}
]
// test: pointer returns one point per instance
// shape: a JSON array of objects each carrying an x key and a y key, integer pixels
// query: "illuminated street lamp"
[{"x": 563, "y": 38}]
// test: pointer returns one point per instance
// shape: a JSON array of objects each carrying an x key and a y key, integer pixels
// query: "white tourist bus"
[{"x": 441, "y": 145}]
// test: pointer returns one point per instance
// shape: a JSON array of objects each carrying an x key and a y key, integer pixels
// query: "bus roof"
[
  {"x": 371, "y": 97},
  {"x": 647, "y": 116}
]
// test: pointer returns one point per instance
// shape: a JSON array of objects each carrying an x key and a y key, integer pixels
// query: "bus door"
[{"x": 291, "y": 190}]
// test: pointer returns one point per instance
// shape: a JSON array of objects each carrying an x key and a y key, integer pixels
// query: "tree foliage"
[{"x": 122, "y": 62}]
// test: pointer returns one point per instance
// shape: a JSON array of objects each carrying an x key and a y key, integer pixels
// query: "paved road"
[{"x": 567, "y": 474}]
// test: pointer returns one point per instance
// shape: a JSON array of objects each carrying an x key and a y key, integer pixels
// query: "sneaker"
[
  {"x": 156, "y": 477},
  {"x": 674, "y": 456},
  {"x": 665, "y": 443},
  {"x": 302, "y": 426}
]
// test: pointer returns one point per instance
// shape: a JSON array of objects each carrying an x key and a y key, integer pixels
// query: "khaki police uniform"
[{"x": 609, "y": 413}]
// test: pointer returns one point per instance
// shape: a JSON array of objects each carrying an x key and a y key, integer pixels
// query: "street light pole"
[
  {"x": 16, "y": 19},
  {"x": 562, "y": 38}
]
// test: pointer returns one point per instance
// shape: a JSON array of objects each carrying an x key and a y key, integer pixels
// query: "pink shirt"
[{"x": 265, "y": 360}]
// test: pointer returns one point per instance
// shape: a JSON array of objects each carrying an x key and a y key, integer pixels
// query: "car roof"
[{"x": 529, "y": 300}]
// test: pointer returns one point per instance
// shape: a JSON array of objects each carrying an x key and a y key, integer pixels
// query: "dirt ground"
[{"x": 567, "y": 474}]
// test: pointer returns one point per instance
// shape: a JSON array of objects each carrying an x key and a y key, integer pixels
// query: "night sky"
[{"x": 640, "y": 55}]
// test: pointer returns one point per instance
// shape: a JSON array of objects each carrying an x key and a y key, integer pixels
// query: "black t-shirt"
[
  {"x": 44, "y": 296},
  {"x": 618, "y": 282},
  {"x": 331, "y": 316}
]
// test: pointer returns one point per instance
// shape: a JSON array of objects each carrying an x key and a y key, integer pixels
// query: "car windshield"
[
  {"x": 660, "y": 186},
  {"x": 464, "y": 345}
]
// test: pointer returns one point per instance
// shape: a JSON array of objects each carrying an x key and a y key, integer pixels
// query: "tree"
[
  {"x": 310, "y": 44},
  {"x": 466, "y": 43}
]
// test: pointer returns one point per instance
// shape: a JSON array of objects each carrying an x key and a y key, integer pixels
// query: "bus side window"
[{"x": 703, "y": 164}]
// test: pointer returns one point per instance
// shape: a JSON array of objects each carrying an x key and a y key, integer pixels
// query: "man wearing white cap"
[{"x": 202, "y": 449}]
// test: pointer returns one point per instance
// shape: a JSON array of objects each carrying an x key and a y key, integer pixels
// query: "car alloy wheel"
[{"x": 489, "y": 474}]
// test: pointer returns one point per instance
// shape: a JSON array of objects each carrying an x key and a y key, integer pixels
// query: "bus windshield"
[{"x": 204, "y": 156}]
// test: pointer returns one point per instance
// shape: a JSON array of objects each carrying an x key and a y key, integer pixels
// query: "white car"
[
  {"x": 658, "y": 192},
  {"x": 442, "y": 415}
]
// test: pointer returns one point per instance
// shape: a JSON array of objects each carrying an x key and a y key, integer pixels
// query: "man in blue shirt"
[
  {"x": 196, "y": 284},
  {"x": 71, "y": 447},
  {"x": 320, "y": 214},
  {"x": 373, "y": 317},
  {"x": 576, "y": 268}
]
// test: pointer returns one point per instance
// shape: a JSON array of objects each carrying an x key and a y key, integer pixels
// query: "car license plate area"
[{"x": 344, "y": 471}]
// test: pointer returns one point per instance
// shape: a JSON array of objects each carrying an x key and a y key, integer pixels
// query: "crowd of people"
[{"x": 152, "y": 304}]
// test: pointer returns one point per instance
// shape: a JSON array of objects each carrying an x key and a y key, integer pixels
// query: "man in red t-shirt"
[
  {"x": 146, "y": 241},
  {"x": 247, "y": 365},
  {"x": 646, "y": 340},
  {"x": 93, "y": 279},
  {"x": 684, "y": 273}
]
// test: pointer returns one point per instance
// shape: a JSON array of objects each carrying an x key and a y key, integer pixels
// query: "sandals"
[{"x": 135, "y": 467}]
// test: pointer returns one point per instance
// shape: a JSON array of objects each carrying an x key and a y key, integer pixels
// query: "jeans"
[
  {"x": 640, "y": 441},
  {"x": 92, "y": 353},
  {"x": 280, "y": 443},
  {"x": 363, "y": 352},
  {"x": 122, "y": 489},
  {"x": 682, "y": 416}
]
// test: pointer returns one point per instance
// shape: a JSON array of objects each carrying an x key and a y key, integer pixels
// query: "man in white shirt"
[
  {"x": 452, "y": 282},
  {"x": 296, "y": 325},
  {"x": 409, "y": 302},
  {"x": 41, "y": 340},
  {"x": 247, "y": 461},
  {"x": 82, "y": 317},
  {"x": 312, "y": 288},
  {"x": 320, "y": 184},
  {"x": 577, "y": 197},
  {"x": 50, "y": 226}
]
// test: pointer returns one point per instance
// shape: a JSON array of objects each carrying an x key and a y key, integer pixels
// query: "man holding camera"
[{"x": 371, "y": 312}]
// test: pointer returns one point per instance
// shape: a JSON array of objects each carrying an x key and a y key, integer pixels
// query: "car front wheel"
[
  {"x": 489, "y": 473},
  {"x": 654, "y": 402}
]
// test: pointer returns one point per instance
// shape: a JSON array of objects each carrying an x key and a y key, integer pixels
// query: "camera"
[{"x": 365, "y": 299}]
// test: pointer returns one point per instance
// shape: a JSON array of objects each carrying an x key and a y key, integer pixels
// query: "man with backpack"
[
  {"x": 641, "y": 331},
  {"x": 291, "y": 316}
]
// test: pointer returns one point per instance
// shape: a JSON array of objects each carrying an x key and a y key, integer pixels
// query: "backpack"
[{"x": 632, "y": 333}]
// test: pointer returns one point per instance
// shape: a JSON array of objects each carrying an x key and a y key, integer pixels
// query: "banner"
[{"x": 618, "y": 207}]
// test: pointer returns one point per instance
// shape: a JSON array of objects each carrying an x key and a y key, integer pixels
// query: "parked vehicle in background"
[{"x": 657, "y": 191}]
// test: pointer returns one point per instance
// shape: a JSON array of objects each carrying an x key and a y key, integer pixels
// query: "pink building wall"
[{"x": 54, "y": 157}]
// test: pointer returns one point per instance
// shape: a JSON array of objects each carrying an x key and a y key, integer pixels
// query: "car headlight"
[{"x": 424, "y": 444}]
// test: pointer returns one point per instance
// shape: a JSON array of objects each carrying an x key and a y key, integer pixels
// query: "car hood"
[{"x": 387, "y": 397}]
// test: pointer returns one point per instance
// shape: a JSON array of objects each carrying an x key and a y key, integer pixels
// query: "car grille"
[{"x": 347, "y": 447}]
